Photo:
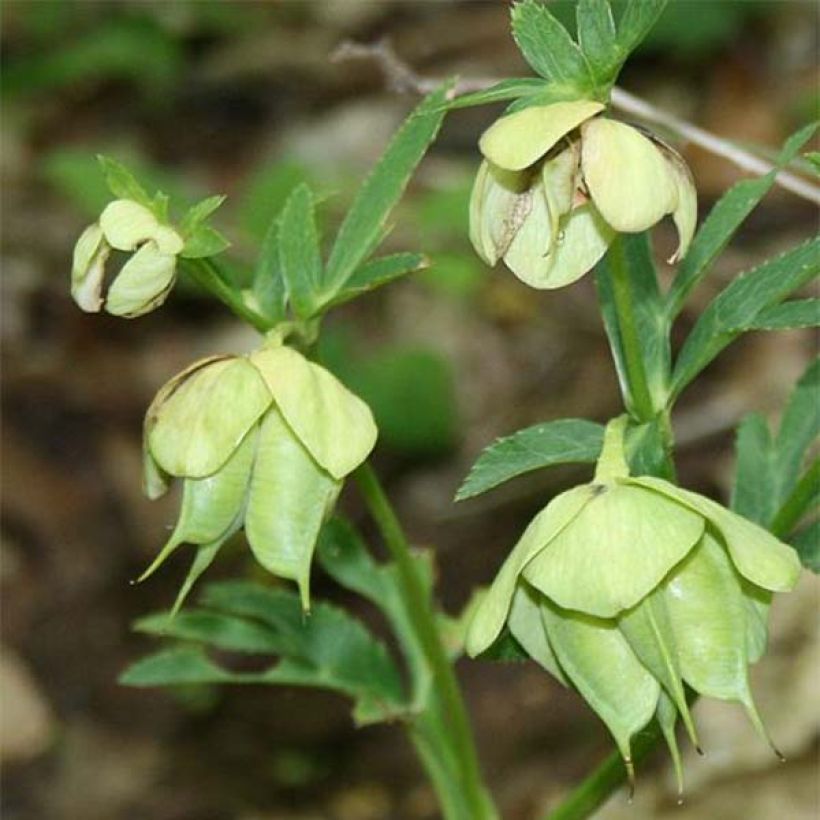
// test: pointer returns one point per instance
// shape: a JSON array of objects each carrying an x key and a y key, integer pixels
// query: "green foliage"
[
  {"x": 329, "y": 649},
  {"x": 788, "y": 316},
  {"x": 771, "y": 486},
  {"x": 547, "y": 46},
  {"x": 378, "y": 272},
  {"x": 723, "y": 221},
  {"x": 554, "y": 442},
  {"x": 300, "y": 257},
  {"x": 365, "y": 224},
  {"x": 739, "y": 305}
]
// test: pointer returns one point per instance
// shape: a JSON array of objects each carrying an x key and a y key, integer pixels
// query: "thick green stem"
[
  {"x": 208, "y": 276},
  {"x": 421, "y": 612},
  {"x": 633, "y": 362}
]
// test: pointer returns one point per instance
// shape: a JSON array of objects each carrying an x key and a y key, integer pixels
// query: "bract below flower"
[
  {"x": 559, "y": 181},
  {"x": 262, "y": 442},
  {"x": 629, "y": 587},
  {"x": 144, "y": 281}
]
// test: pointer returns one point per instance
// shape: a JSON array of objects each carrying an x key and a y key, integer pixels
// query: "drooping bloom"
[
  {"x": 262, "y": 442},
  {"x": 145, "y": 280},
  {"x": 629, "y": 587},
  {"x": 559, "y": 181}
]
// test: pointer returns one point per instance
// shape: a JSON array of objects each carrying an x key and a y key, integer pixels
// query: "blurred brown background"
[{"x": 244, "y": 98}]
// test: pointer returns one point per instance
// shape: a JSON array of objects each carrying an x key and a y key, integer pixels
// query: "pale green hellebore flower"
[
  {"x": 262, "y": 442},
  {"x": 559, "y": 181},
  {"x": 145, "y": 280},
  {"x": 629, "y": 587}
]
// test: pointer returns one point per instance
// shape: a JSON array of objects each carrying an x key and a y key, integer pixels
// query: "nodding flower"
[
  {"x": 147, "y": 277},
  {"x": 627, "y": 588},
  {"x": 559, "y": 181}
]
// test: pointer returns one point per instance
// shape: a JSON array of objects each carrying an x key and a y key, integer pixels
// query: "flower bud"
[
  {"x": 147, "y": 276},
  {"x": 629, "y": 587},
  {"x": 559, "y": 181},
  {"x": 262, "y": 442}
]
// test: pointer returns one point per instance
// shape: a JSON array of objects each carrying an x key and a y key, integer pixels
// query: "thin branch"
[{"x": 401, "y": 78}]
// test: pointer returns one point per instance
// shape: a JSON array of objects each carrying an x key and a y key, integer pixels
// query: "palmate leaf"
[
  {"x": 543, "y": 445},
  {"x": 723, "y": 221},
  {"x": 364, "y": 225},
  {"x": 329, "y": 649},
  {"x": 269, "y": 288},
  {"x": 740, "y": 303},
  {"x": 636, "y": 21},
  {"x": 510, "y": 89},
  {"x": 752, "y": 494}
]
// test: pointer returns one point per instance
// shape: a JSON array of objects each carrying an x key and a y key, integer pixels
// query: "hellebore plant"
[{"x": 639, "y": 594}]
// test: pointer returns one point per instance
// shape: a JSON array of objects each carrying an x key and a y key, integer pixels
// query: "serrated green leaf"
[
  {"x": 204, "y": 241},
  {"x": 636, "y": 21},
  {"x": 554, "y": 442},
  {"x": 200, "y": 212},
  {"x": 724, "y": 219},
  {"x": 799, "y": 428},
  {"x": 804, "y": 499},
  {"x": 505, "y": 90},
  {"x": 364, "y": 225},
  {"x": 378, "y": 272},
  {"x": 547, "y": 46},
  {"x": 630, "y": 258},
  {"x": 215, "y": 629},
  {"x": 269, "y": 286},
  {"x": 807, "y": 544},
  {"x": 122, "y": 183},
  {"x": 740, "y": 303},
  {"x": 175, "y": 667},
  {"x": 299, "y": 254},
  {"x": 788, "y": 316},
  {"x": 753, "y": 494},
  {"x": 597, "y": 38}
]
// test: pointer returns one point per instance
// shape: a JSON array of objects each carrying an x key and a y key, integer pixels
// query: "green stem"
[
  {"x": 208, "y": 276},
  {"x": 635, "y": 371},
  {"x": 423, "y": 621}
]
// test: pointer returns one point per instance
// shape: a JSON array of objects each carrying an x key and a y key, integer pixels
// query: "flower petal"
[
  {"x": 708, "y": 616},
  {"x": 205, "y": 418},
  {"x": 518, "y": 140},
  {"x": 491, "y": 613},
  {"x": 334, "y": 424},
  {"x": 582, "y": 239},
  {"x": 628, "y": 178},
  {"x": 290, "y": 497},
  {"x": 597, "y": 658},
  {"x": 528, "y": 251},
  {"x": 528, "y": 629},
  {"x": 757, "y": 554},
  {"x": 615, "y": 552},
  {"x": 685, "y": 214},
  {"x": 142, "y": 284},
  {"x": 88, "y": 269},
  {"x": 126, "y": 224}
]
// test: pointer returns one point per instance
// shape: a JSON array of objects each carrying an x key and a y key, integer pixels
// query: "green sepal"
[
  {"x": 334, "y": 424},
  {"x": 648, "y": 631},
  {"x": 491, "y": 613},
  {"x": 290, "y": 497},
  {"x": 667, "y": 716},
  {"x": 211, "y": 505},
  {"x": 527, "y": 627},
  {"x": 598, "y": 660},
  {"x": 203, "y": 420},
  {"x": 757, "y": 554},
  {"x": 615, "y": 552},
  {"x": 709, "y": 620}
]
